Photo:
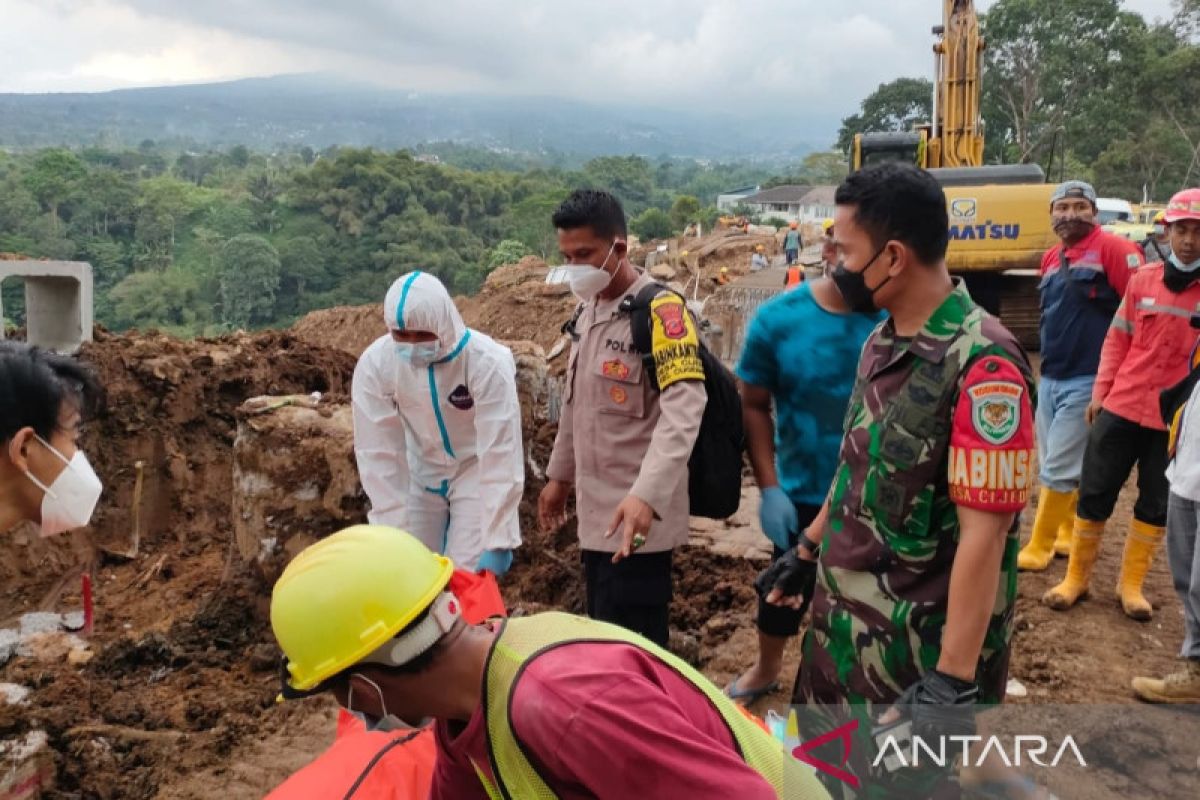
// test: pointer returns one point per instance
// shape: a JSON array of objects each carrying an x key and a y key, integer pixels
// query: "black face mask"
[
  {"x": 1176, "y": 279},
  {"x": 853, "y": 285},
  {"x": 1072, "y": 229}
]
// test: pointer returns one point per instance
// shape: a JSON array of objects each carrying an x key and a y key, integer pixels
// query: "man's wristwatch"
[{"x": 808, "y": 546}]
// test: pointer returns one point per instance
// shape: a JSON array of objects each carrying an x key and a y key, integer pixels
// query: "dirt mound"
[
  {"x": 516, "y": 303},
  {"x": 183, "y": 664},
  {"x": 348, "y": 328}
]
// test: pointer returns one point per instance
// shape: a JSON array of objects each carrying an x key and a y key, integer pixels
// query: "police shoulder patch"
[
  {"x": 1133, "y": 261},
  {"x": 675, "y": 345}
]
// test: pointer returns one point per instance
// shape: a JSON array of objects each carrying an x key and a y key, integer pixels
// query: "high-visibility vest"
[
  {"x": 794, "y": 277},
  {"x": 522, "y": 639}
]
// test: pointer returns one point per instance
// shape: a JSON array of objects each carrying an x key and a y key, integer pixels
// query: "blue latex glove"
[
  {"x": 778, "y": 518},
  {"x": 496, "y": 562}
]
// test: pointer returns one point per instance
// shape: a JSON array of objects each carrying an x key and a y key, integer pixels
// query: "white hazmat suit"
[{"x": 439, "y": 445}]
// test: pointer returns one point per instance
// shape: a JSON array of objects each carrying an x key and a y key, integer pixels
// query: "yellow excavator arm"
[{"x": 957, "y": 136}]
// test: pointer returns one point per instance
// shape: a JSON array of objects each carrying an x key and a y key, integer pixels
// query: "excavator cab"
[{"x": 876, "y": 148}]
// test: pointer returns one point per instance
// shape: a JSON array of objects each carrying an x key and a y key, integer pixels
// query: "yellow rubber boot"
[
  {"x": 1052, "y": 510},
  {"x": 1141, "y": 542},
  {"x": 1066, "y": 531},
  {"x": 1085, "y": 546}
]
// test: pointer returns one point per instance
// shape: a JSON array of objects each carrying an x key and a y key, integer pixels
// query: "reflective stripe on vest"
[{"x": 521, "y": 640}]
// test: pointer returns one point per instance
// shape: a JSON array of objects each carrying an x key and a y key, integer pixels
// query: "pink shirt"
[{"x": 607, "y": 720}]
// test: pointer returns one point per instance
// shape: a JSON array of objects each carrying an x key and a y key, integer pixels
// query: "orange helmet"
[
  {"x": 1184, "y": 205},
  {"x": 795, "y": 225}
]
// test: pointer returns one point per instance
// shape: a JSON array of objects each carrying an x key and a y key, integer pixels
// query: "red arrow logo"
[{"x": 802, "y": 753}]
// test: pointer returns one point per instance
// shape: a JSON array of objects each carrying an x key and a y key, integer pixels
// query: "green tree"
[
  {"x": 239, "y": 156},
  {"x": 163, "y": 205},
  {"x": 53, "y": 178},
  {"x": 509, "y": 251},
  {"x": 653, "y": 223},
  {"x": 302, "y": 267},
  {"x": 894, "y": 106},
  {"x": 684, "y": 211},
  {"x": 1066, "y": 67},
  {"x": 825, "y": 169},
  {"x": 630, "y": 178},
  {"x": 250, "y": 274},
  {"x": 158, "y": 299}
]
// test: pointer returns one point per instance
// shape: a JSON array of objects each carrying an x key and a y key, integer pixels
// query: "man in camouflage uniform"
[{"x": 916, "y": 584}]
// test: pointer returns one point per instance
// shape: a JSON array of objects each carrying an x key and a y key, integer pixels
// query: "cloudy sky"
[{"x": 819, "y": 54}]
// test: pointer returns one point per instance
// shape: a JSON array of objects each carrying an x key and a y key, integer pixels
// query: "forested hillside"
[{"x": 203, "y": 242}]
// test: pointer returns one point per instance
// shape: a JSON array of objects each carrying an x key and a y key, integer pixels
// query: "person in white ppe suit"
[{"x": 437, "y": 429}]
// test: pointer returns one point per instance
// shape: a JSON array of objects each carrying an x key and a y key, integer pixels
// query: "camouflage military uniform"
[{"x": 884, "y": 582}]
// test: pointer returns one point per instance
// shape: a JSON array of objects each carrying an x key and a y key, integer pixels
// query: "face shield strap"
[{"x": 398, "y": 651}]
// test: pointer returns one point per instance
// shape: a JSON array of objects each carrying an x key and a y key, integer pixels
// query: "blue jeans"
[{"x": 1062, "y": 430}]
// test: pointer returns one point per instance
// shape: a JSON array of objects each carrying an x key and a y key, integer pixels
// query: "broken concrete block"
[
  {"x": 58, "y": 302},
  {"x": 294, "y": 478}
]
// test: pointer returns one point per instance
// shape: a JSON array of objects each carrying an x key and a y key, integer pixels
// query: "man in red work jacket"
[{"x": 1146, "y": 351}]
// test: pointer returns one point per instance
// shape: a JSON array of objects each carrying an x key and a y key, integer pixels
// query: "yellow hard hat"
[
  {"x": 760, "y": 248},
  {"x": 683, "y": 254},
  {"x": 826, "y": 225},
  {"x": 1160, "y": 217},
  {"x": 724, "y": 269},
  {"x": 344, "y": 597}
]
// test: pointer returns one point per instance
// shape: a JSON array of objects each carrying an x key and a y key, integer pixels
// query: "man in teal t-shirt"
[{"x": 802, "y": 353}]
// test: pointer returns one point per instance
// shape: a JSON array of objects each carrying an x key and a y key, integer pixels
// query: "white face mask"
[
  {"x": 71, "y": 499},
  {"x": 388, "y": 722},
  {"x": 1182, "y": 267},
  {"x": 588, "y": 280},
  {"x": 419, "y": 354}
]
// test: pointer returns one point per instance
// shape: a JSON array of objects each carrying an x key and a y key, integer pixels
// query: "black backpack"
[{"x": 715, "y": 467}]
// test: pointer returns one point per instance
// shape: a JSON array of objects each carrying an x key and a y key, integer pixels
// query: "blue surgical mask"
[
  {"x": 418, "y": 354},
  {"x": 1182, "y": 267}
]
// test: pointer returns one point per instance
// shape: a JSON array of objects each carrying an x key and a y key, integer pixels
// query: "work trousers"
[
  {"x": 1183, "y": 527},
  {"x": 1114, "y": 446},
  {"x": 635, "y": 593}
]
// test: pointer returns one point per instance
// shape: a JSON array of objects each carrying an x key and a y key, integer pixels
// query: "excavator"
[{"x": 999, "y": 214}]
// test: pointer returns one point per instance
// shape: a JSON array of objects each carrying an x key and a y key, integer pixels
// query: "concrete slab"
[{"x": 58, "y": 302}]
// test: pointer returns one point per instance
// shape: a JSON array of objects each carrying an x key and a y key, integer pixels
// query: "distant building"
[
  {"x": 429, "y": 158},
  {"x": 818, "y": 204},
  {"x": 727, "y": 201},
  {"x": 793, "y": 203}
]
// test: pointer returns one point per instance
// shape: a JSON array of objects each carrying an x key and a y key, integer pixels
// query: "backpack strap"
[
  {"x": 638, "y": 308},
  {"x": 568, "y": 327},
  {"x": 641, "y": 328}
]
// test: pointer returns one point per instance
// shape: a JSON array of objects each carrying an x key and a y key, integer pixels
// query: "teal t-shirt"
[
  {"x": 806, "y": 357},
  {"x": 792, "y": 241}
]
